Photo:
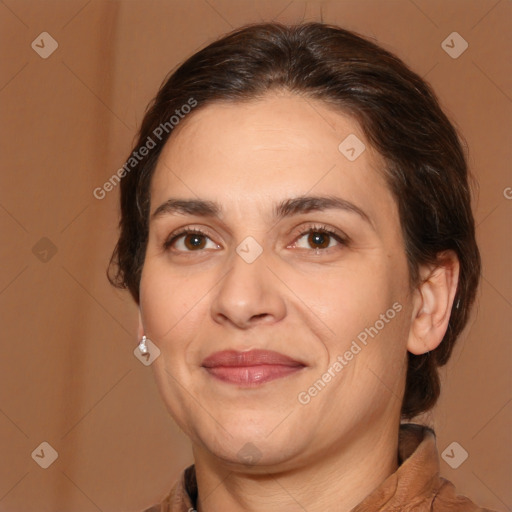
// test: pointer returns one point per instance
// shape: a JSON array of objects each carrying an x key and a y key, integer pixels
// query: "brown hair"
[{"x": 400, "y": 116}]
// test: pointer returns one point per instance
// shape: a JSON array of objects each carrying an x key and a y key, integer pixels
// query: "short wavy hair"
[{"x": 400, "y": 115}]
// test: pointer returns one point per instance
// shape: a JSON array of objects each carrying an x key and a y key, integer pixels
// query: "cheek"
[
  {"x": 366, "y": 304},
  {"x": 171, "y": 303},
  {"x": 153, "y": 300},
  {"x": 357, "y": 293},
  {"x": 160, "y": 302}
]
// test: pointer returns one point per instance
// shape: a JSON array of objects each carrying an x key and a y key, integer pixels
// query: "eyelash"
[
  {"x": 315, "y": 228},
  {"x": 185, "y": 231}
]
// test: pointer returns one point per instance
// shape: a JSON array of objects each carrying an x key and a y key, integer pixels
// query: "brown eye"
[
  {"x": 194, "y": 241},
  {"x": 189, "y": 240},
  {"x": 319, "y": 239}
]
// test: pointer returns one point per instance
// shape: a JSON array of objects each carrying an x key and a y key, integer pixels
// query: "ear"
[
  {"x": 432, "y": 303},
  {"x": 140, "y": 329}
]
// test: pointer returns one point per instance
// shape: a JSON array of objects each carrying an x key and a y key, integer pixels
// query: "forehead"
[{"x": 262, "y": 149}]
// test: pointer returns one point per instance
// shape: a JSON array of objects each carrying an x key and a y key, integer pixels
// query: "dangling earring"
[{"x": 142, "y": 346}]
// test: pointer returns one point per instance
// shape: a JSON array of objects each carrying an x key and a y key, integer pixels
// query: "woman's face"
[{"x": 262, "y": 275}]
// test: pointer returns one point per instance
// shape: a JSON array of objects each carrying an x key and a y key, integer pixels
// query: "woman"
[{"x": 296, "y": 230}]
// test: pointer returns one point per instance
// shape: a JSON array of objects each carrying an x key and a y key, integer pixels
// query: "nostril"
[{"x": 261, "y": 315}]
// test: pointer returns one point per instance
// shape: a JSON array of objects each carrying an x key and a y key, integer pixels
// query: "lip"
[{"x": 250, "y": 368}]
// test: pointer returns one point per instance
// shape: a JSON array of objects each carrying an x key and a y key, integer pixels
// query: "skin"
[{"x": 306, "y": 302}]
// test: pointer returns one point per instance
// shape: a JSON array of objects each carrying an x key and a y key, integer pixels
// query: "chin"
[
  {"x": 255, "y": 457},
  {"x": 252, "y": 444}
]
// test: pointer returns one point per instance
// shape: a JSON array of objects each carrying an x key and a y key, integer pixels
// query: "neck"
[{"x": 337, "y": 480}]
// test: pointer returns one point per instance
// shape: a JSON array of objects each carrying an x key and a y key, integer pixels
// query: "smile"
[{"x": 250, "y": 369}]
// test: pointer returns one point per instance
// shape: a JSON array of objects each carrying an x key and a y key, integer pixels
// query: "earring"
[{"x": 142, "y": 346}]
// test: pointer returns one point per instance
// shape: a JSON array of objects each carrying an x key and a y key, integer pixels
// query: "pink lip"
[{"x": 250, "y": 368}]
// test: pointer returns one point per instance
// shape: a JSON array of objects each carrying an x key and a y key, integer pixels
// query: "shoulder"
[
  {"x": 182, "y": 496},
  {"x": 446, "y": 499}
]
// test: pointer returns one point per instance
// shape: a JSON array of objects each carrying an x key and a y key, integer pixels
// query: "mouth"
[{"x": 251, "y": 368}]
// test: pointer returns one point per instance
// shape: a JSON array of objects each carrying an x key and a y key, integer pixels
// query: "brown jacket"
[{"x": 415, "y": 486}]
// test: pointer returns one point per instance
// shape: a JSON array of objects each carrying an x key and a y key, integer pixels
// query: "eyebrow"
[{"x": 286, "y": 208}]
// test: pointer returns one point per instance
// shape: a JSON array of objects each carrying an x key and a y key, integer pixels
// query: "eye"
[
  {"x": 320, "y": 238},
  {"x": 189, "y": 240}
]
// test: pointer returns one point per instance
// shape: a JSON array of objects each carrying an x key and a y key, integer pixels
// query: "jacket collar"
[{"x": 416, "y": 481}]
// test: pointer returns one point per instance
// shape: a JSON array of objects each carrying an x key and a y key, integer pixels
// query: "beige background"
[{"x": 68, "y": 373}]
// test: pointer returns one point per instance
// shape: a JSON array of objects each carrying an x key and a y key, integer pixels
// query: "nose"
[{"x": 248, "y": 294}]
